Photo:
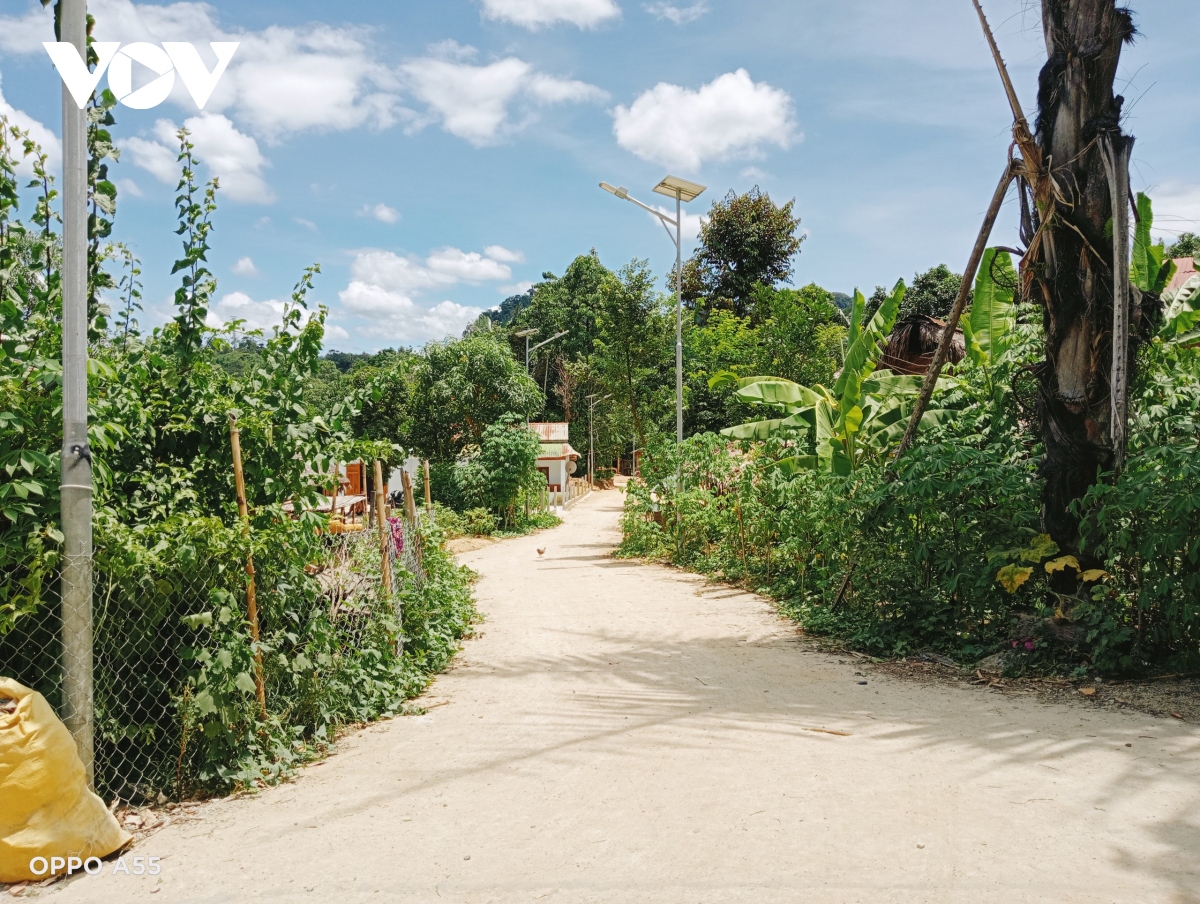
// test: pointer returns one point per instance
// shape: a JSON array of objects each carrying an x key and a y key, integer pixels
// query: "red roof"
[
  {"x": 552, "y": 433},
  {"x": 1186, "y": 269}
]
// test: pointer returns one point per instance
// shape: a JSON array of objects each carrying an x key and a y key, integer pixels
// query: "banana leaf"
[
  {"x": 1150, "y": 270},
  {"x": 993, "y": 313}
]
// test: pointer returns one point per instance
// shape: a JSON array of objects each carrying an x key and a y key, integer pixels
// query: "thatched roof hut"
[{"x": 913, "y": 342}]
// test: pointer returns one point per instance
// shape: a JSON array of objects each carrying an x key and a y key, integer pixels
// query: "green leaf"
[
  {"x": 204, "y": 703},
  {"x": 245, "y": 683},
  {"x": 755, "y": 430},
  {"x": 1149, "y": 270},
  {"x": 865, "y": 347},
  {"x": 993, "y": 313},
  {"x": 776, "y": 392}
]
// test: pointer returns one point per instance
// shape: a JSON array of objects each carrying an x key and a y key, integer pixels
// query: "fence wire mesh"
[{"x": 169, "y": 614}]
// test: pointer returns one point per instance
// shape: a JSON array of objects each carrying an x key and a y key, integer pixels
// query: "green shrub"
[{"x": 479, "y": 522}]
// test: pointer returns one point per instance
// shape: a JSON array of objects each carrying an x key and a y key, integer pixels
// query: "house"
[{"x": 557, "y": 460}]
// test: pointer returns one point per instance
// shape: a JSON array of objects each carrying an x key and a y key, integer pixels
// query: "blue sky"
[{"x": 437, "y": 156}]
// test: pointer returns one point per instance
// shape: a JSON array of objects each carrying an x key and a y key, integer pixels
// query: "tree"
[
  {"x": 801, "y": 334},
  {"x": 509, "y": 459},
  {"x": 461, "y": 386},
  {"x": 510, "y": 308},
  {"x": 633, "y": 348},
  {"x": 798, "y": 337},
  {"x": 569, "y": 302},
  {"x": 1068, "y": 269},
  {"x": 933, "y": 293},
  {"x": 747, "y": 240},
  {"x": 1187, "y": 245}
]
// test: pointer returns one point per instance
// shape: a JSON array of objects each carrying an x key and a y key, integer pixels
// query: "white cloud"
[
  {"x": 473, "y": 101},
  {"x": 691, "y": 222},
  {"x": 380, "y": 212},
  {"x": 464, "y": 266},
  {"x": 519, "y": 288},
  {"x": 396, "y": 317},
  {"x": 37, "y": 131},
  {"x": 536, "y": 13},
  {"x": 551, "y": 90},
  {"x": 258, "y": 315},
  {"x": 245, "y": 267},
  {"x": 288, "y": 80},
  {"x": 307, "y": 224},
  {"x": 384, "y": 286},
  {"x": 25, "y": 33},
  {"x": 1176, "y": 209},
  {"x": 230, "y": 155},
  {"x": 280, "y": 81},
  {"x": 731, "y": 116},
  {"x": 128, "y": 186},
  {"x": 499, "y": 253},
  {"x": 680, "y": 15}
]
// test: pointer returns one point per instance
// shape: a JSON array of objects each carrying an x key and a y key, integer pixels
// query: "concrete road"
[{"x": 626, "y": 733}]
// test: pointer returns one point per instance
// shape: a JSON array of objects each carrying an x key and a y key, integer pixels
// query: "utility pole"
[{"x": 76, "y": 479}]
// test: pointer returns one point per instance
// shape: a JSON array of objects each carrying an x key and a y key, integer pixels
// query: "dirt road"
[{"x": 626, "y": 733}]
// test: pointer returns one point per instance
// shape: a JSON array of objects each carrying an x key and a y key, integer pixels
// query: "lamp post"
[
  {"x": 529, "y": 350},
  {"x": 76, "y": 480},
  {"x": 525, "y": 334},
  {"x": 592, "y": 400},
  {"x": 681, "y": 190}
]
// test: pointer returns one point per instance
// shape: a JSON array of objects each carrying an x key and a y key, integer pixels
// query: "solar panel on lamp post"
[
  {"x": 525, "y": 334},
  {"x": 681, "y": 190}
]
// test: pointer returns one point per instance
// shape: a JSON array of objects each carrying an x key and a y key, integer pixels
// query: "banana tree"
[{"x": 856, "y": 421}]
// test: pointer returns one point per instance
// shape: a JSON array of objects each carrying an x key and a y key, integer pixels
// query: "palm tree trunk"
[{"x": 1069, "y": 269}]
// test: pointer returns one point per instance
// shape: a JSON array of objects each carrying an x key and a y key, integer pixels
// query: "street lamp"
[
  {"x": 592, "y": 400},
  {"x": 528, "y": 350},
  {"x": 525, "y": 334},
  {"x": 681, "y": 190}
]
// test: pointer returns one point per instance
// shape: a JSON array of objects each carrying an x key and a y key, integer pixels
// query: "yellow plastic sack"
[{"x": 46, "y": 809}]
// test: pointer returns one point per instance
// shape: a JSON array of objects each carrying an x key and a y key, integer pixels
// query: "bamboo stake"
[
  {"x": 410, "y": 504},
  {"x": 1117, "y": 151},
  {"x": 428, "y": 496},
  {"x": 235, "y": 440},
  {"x": 381, "y": 522},
  {"x": 943, "y": 349}
]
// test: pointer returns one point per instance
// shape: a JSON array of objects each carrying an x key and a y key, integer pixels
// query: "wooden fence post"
[
  {"x": 235, "y": 440},
  {"x": 410, "y": 504},
  {"x": 428, "y": 496},
  {"x": 381, "y": 522}
]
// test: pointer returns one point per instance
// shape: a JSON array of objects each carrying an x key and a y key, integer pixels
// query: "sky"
[{"x": 436, "y": 156}]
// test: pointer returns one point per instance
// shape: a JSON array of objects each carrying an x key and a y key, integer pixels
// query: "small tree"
[
  {"x": 509, "y": 458},
  {"x": 460, "y": 386},
  {"x": 747, "y": 240},
  {"x": 1187, "y": 245}
]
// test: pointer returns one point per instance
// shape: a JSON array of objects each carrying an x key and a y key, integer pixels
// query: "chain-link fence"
[{"x": 176, "y": 709}]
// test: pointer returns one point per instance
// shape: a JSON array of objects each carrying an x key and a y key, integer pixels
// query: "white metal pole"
[
  {"x": 76, "y": 480},
  {"x": 679, "y": 317}
]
